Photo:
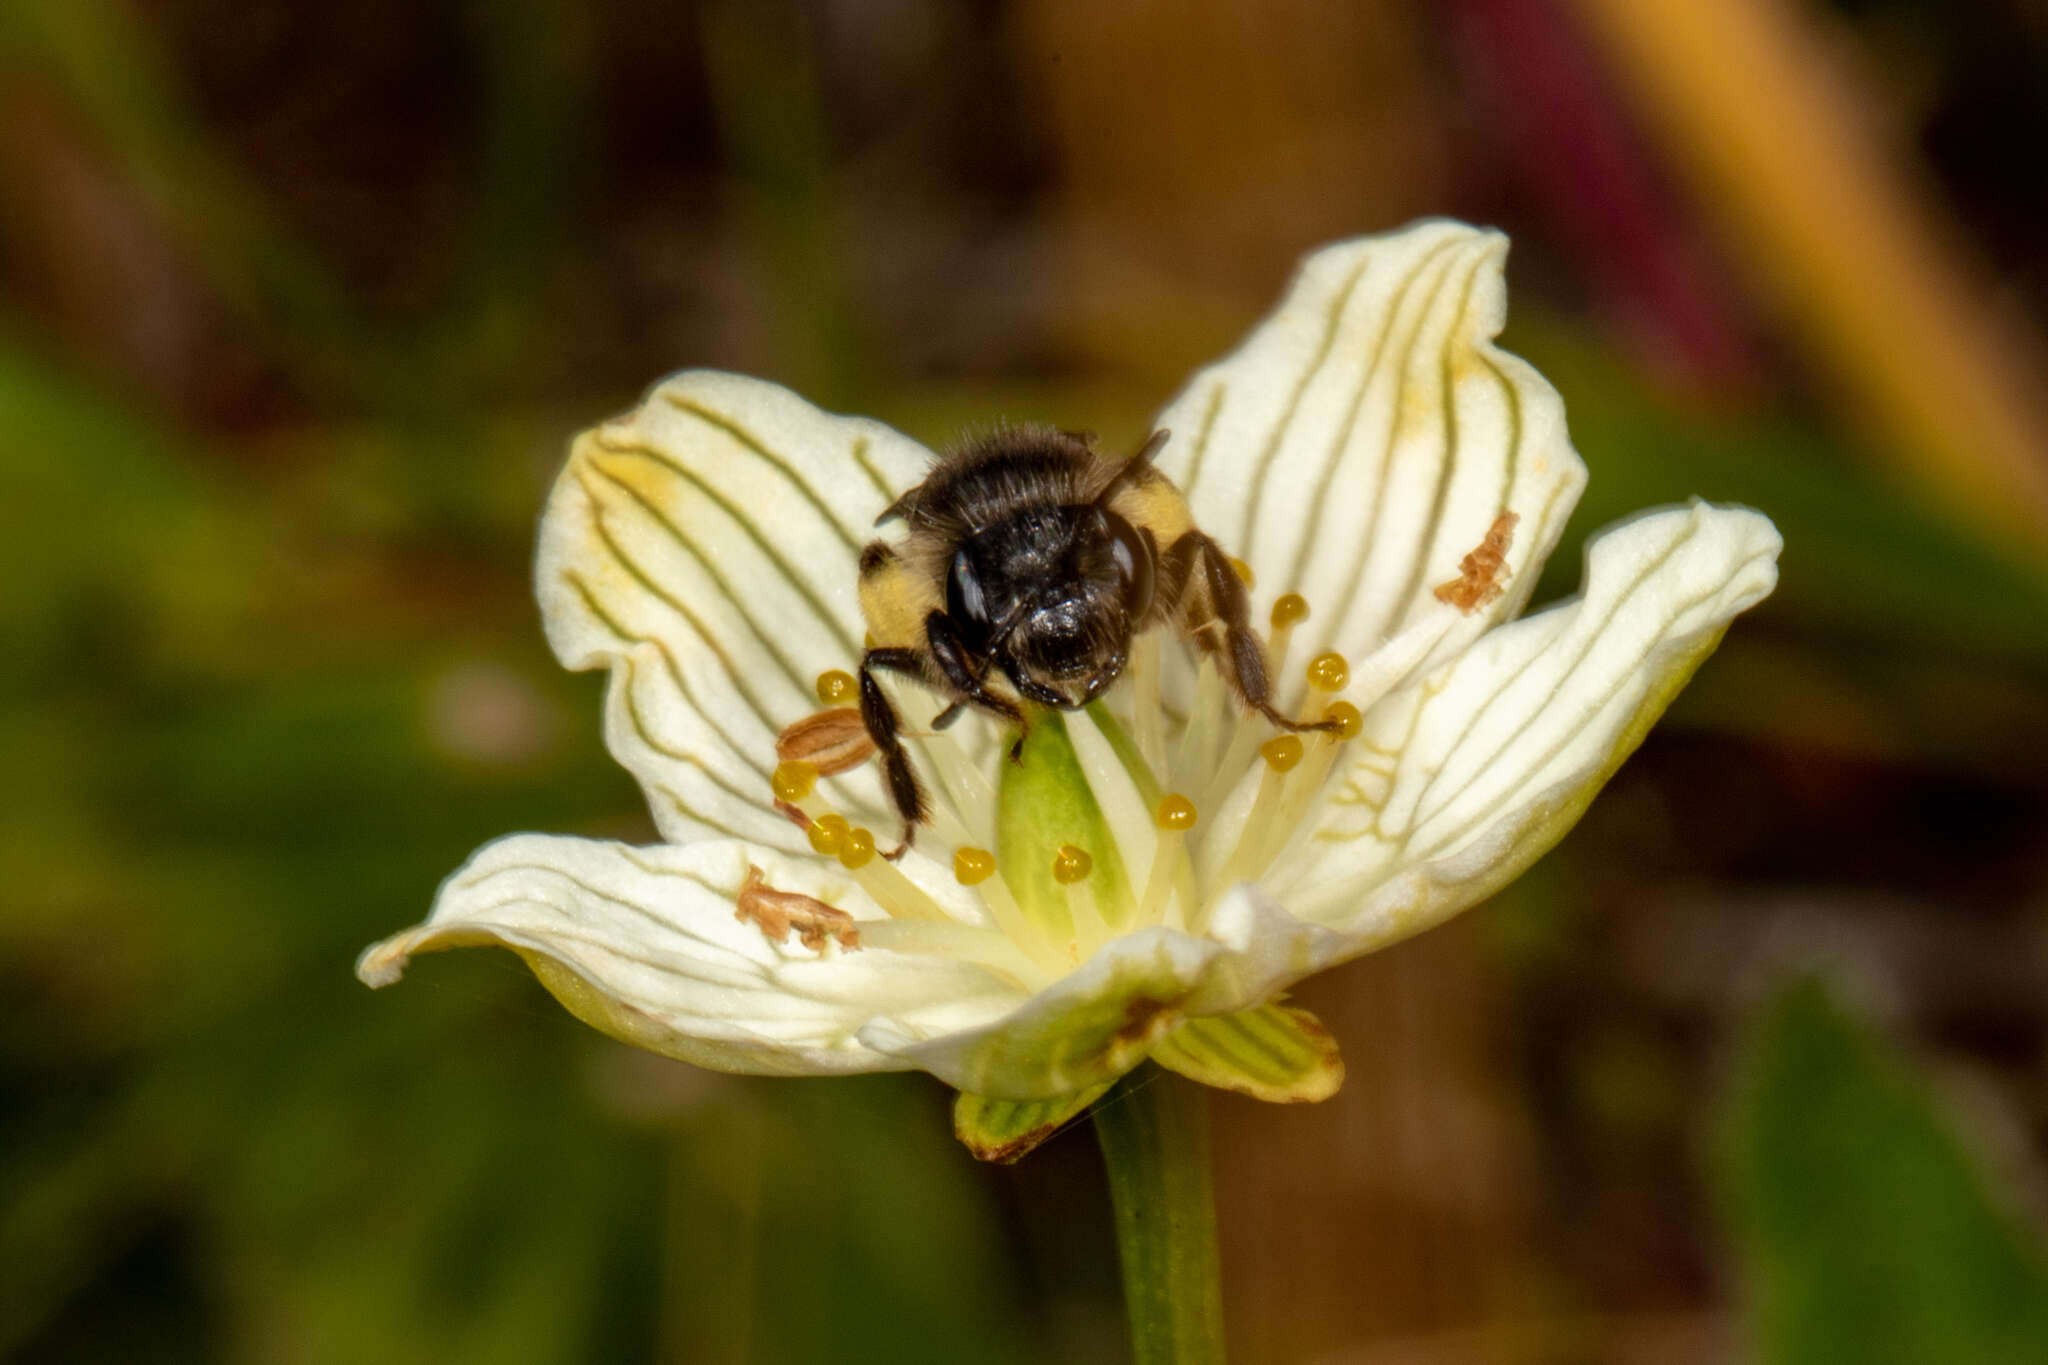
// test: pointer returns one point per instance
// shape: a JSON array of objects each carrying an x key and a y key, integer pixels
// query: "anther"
[
  {"x": 793, "y": 781},
  {"x": 1348, "y": 723},
  {"x": 836, "y": 687},
  {"x": 1281, "y": 752},
  {"x": 1243, "y": 571},
  {"x": 1071, "y": 865},
  {"x": 1289, "y": 609},
  {"x": 1328, "y": 672},
  {"x": 1175, "y": 817},
  {"x": 1176, "y": 812},
  {"x": 972, "y": 866},
  {"x": 856, "y": 848}
]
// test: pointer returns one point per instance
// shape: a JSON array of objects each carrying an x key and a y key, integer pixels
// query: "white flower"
[{"x": 1367, "y": 450}]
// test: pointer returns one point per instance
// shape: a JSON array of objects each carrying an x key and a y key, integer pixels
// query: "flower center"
[{"x": 1108, "y": 820}]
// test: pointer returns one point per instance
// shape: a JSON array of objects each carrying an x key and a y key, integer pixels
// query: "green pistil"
[{"x": 1045, "y": 801}]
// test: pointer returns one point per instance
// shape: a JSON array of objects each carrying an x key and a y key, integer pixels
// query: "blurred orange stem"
[{"x": 1756, "y": 112}]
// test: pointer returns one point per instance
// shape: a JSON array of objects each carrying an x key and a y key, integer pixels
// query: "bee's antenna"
[{"x": 1134, "y": 466}]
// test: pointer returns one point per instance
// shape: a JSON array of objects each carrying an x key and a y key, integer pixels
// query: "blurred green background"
[{"x": 298, "y": 305}]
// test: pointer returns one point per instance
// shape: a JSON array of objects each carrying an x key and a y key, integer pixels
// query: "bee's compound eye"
[
  {"x": 967, "y": 604},
  {"x": 1131, "y": 553}
]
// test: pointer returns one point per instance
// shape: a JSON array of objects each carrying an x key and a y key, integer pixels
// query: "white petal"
[
  {"x": 1460, "y": 782},
  {"x": 1090, "y": 1026},
  {"x": 1101, "y": 1019},
  {"x": 705, "y": 547},
  {"x": 1365, "y": 436},
  {"x": 643, "y": 943}
]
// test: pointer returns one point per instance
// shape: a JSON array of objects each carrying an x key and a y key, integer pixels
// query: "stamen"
[
  {"x": 833, "y": 741},
  {"x": 856, "y": 848},
  {"x": 976, "y": 867},
  {"x": 832, "y": 835},
  {"x": 884, "y": 881},
  {"x": 973, "y": 866},
  {"x": 1289, "y": 610},
  {"x": 1175, "y": 817},
  {"x": 1197, "y": 750},
  {"x": 828, "y": 834},
  {"x": 777, "y": 912},
  {"x": 836, "y": 687},
  {"x": 973, "y": 799},
  {"x": 1308, "y": 779},
  {"x": 1329, "y": 673},
  {"x": 1071, "y": 867},
  {"x": 793, "y": 781},
  {"x": 1147, "y": 708},
  {"x": 1282, "y": 753}
]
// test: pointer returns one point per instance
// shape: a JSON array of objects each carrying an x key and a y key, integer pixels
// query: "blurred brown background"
[{"x": 297, "y": 307}]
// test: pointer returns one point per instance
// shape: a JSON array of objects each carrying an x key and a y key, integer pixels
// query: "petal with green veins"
[
  {"x": 1004, "y": 1130},
  {"x": 1367, "y": 434},
  {"x": 1275, "y": 1053},
  {"x": 643, "y": 944},
  {"x": 1460, "y": 782},
  {"x": 705, "y": 548}
]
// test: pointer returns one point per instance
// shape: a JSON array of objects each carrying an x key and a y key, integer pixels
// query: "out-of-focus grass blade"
[
  {"x": 1864, "y": 1230},
  {"x": 99, "y": 57}
]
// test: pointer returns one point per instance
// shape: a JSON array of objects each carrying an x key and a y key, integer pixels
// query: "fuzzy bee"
[{"x": 1031, "y": 563}]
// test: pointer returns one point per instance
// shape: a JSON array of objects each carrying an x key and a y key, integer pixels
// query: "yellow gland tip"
[
  {"x": 972, "y": 866},
  {"x": 856, "y": 847},
  {"x": 1329, "y": 672},
  {"x": 1243, "y": 571},
  {"x": 835, "y": 822},
  {"x": 1281, "y": 752},
  {"x": 1289, "y": 609},
  {"x": 1071, "y": 865},
  {"x": 1176, "y": 812},
  {"x": 1349, "y": 722},
  {"x": 836, "y": 687},
  {"x": 793, "y": 781},
  {"x": 825, "y": 839}
]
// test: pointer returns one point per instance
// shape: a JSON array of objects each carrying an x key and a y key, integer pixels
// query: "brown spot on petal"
[
  {"x": 1480, "y": 573},
  {"x": 792, "y": 814},
  {"x": 777, "y": 912},
  {"x": 1145, "y": 1019},
  {"x": 832, "y": 741}
]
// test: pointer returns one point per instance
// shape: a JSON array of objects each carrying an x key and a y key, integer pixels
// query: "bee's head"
[{"x": 1052, "y": 598}]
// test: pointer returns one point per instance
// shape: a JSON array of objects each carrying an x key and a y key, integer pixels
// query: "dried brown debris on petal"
[
  {"x": 1480, "y": 573},
  {"x": 832, "y": 741},
  {"x": 777, "y": 912}
]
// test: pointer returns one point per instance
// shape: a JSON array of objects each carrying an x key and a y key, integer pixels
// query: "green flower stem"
[{"x": 1154, "y": 1129}]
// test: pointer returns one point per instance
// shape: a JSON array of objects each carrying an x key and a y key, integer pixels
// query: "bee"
[{"x": 1030, "y": 564}]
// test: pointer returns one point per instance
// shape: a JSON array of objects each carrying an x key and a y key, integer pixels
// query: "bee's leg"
[
  {"x": 883, "y": 725},
  {"x": 969, "y": 689},
  {"x": 1218, "y": 598}
]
